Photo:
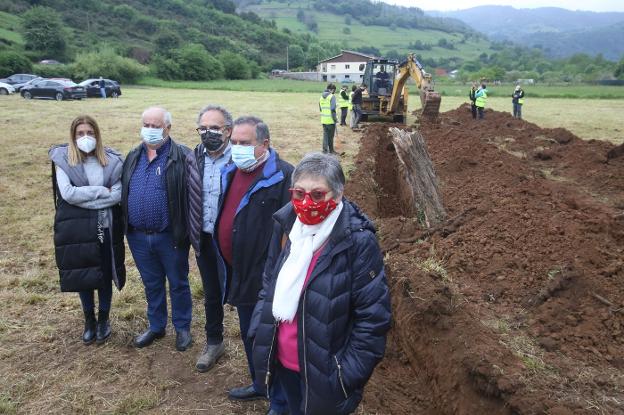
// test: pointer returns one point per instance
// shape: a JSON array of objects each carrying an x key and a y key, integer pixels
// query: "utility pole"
[{"x": 287, "y": 68}]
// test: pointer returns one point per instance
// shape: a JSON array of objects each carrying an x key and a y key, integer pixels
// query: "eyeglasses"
[
  {"x": 316, "y": 195},
  {"x": 204, "y": 130}
]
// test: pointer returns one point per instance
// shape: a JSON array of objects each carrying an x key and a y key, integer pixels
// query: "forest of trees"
[
  {"x": 208, "y": 39},
  {"x": 172, "y": 39}
]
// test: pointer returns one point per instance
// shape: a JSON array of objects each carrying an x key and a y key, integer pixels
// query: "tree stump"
[{"x": 419, "y": 187}]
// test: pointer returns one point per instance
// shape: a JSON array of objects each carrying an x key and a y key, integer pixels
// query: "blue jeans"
[
  {"x": 517, "y": 110},
  {"x": 103, "y": 92},
  {"x": 158, "y": 261},
  {"x": 213, "y": 298}
]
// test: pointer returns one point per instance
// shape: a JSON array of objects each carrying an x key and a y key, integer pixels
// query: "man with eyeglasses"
[
  {"x": 254, "y": 187},
  {"x": 212, "y": 154}
]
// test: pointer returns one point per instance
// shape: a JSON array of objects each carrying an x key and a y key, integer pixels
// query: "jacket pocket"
[{"x": 340, "y": 379}]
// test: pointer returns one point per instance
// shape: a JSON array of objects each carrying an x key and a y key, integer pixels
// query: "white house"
[{"x": 343, "y": 68}]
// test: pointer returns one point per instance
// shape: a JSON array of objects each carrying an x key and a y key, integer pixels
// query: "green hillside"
[
  {"x": 388, "y": 38},
  {"x": 9, "y": 30}
]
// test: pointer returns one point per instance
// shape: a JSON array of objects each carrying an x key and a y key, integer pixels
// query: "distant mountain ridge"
[{"x": 559, "y": 32}]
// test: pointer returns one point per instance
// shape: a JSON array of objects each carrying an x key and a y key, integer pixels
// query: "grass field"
[
  {"x": 446, "y": 89},
  {"x": 383, "y": 37},
  {"x": 43, "y": 366}
]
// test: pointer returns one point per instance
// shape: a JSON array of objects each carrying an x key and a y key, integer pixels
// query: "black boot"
[
  {"x": 103, "y": 327},
  {"x": 88, "y": 336}
]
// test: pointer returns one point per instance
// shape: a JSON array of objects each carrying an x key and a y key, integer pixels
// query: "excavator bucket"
[{"x": 430, "y": 103}]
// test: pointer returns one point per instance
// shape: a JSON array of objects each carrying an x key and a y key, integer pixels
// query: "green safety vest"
[
  {"x": 480, "y": 102},
  {"x": 350, "y": 99},
  {"x": 342, "y": 102},
  {"x": 326, "y": 114},
  {"x": 521, "y": 101}
]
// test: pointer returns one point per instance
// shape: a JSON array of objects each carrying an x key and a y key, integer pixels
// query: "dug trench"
[{"x": 514, "y": 304}]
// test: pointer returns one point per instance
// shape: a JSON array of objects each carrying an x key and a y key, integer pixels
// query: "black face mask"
[{"x": 213, "y": 140}]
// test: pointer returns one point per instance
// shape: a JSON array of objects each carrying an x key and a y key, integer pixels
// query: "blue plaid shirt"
[
  {"x": 148, "y": 208},
  {"x": 212, "y": 187}
]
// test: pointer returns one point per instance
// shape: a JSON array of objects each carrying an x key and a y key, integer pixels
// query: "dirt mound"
[{"x": 515, "y": 304}]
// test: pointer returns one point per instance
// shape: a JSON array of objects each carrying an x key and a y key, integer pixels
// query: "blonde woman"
[{"x": 88, "y": 232}]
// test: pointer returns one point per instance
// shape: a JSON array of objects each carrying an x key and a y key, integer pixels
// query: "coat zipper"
[
  {"x": 344, "y": 390},
  {"x": 268, "y": 373},
  {"x": 305, "y": 358}
]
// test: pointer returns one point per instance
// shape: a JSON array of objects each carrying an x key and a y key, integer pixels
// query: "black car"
[
  {"x": 18, "y": 78},
  {"x": 18, "y": 87},
  {"x": 54, "y": 89},
  {"x": 93, "y": 88}
]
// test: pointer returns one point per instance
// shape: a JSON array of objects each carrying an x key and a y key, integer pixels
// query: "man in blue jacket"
[{"x": 254, "y": 187}]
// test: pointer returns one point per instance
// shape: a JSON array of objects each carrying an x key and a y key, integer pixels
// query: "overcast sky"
[{"x": 593, "y": 5}]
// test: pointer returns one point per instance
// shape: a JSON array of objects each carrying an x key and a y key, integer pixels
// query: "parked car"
[
  {"x": 18, "y": 78},
  {"x": 54, "y": 89},
  {"x": 18, "y": 87},
  {"x": 93, "y": 88},
  {"x": 6, "y": 89},
  {"x": 50, "y": 62}
]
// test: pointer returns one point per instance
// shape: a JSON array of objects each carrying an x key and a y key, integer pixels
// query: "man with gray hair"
[
  {"x": 154, "y": 203},
  {"x": 254, "y": 187},
  {"x": 214, "y": 126}
]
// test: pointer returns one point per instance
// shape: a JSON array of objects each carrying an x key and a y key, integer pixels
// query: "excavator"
[{"x": 387, "y": 93}]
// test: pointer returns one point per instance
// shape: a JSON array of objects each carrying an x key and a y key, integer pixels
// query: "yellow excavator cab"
[{"x": 387, "y": 92}]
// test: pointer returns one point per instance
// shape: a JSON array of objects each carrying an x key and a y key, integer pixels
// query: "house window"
[
  {"x": 333, "y": 67},
  {"x": 333, "y": 77},
  {"x": 324, "y": 67},
  {"x": 347, "y": 77},
  {"x": 347, "y": 66},
  {"x": 361, "y": 76}
]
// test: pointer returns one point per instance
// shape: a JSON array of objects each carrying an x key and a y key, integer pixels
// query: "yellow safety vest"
[
  {"x": 480, "y": 101},
  {"x": 342, "y": 102},
  {"x": 326, "y": 114},
  {"x": 350, "y": 100},
  {"x": 521, "y": 101}
]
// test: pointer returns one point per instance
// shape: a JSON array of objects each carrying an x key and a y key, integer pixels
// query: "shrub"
[
  {"x": 197, "y": 65},
  {"x": 109, "y": 64},
  {"x": 236, "y": 67},
  {"x": 54, "y": 71},
  {"x": 13, "y": 62},
  {"x": 44, "y": 32}
]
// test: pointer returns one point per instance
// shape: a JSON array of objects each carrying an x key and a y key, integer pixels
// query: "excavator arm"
[{"x": 429, "y": 99}]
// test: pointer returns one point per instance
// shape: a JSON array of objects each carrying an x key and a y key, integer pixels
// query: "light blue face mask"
[
  {"x": 243, "y": 156},
  {"x": 152, "y": 136}
]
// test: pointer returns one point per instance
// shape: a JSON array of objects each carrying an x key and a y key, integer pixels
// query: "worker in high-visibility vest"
[
  {"x": 481, "y": 99},
  {"x": 343, "y": 103},
  {"x": 517, "y": 99},
  {"x": 353, "y": 88},
  {"x": 327, "y": 106}
]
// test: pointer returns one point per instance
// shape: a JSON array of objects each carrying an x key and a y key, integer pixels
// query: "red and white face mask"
[{"x": 310, "y": 212}]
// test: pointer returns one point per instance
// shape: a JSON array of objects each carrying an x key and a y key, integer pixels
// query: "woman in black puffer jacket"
[{"x": 320, "y": 325}]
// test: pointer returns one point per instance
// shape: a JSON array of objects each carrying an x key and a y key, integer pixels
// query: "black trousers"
[
  {"x": 473, "y": 108},
  {"x": 329, "y": 130},
  {"x": 213, "y": 296},
  {"x": 343, "y": 115},
  {"x": 480, "y": 111}
]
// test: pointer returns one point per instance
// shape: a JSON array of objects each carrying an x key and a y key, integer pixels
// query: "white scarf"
[{"x": 304, "y": 241}]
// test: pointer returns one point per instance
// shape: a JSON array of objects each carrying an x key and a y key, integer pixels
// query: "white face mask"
[
  {"x": 86, "y": 144},
  {"x": 152, "y": 136}
]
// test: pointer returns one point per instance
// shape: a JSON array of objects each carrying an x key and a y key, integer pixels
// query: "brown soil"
[{"x": 514, "y": 305}]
